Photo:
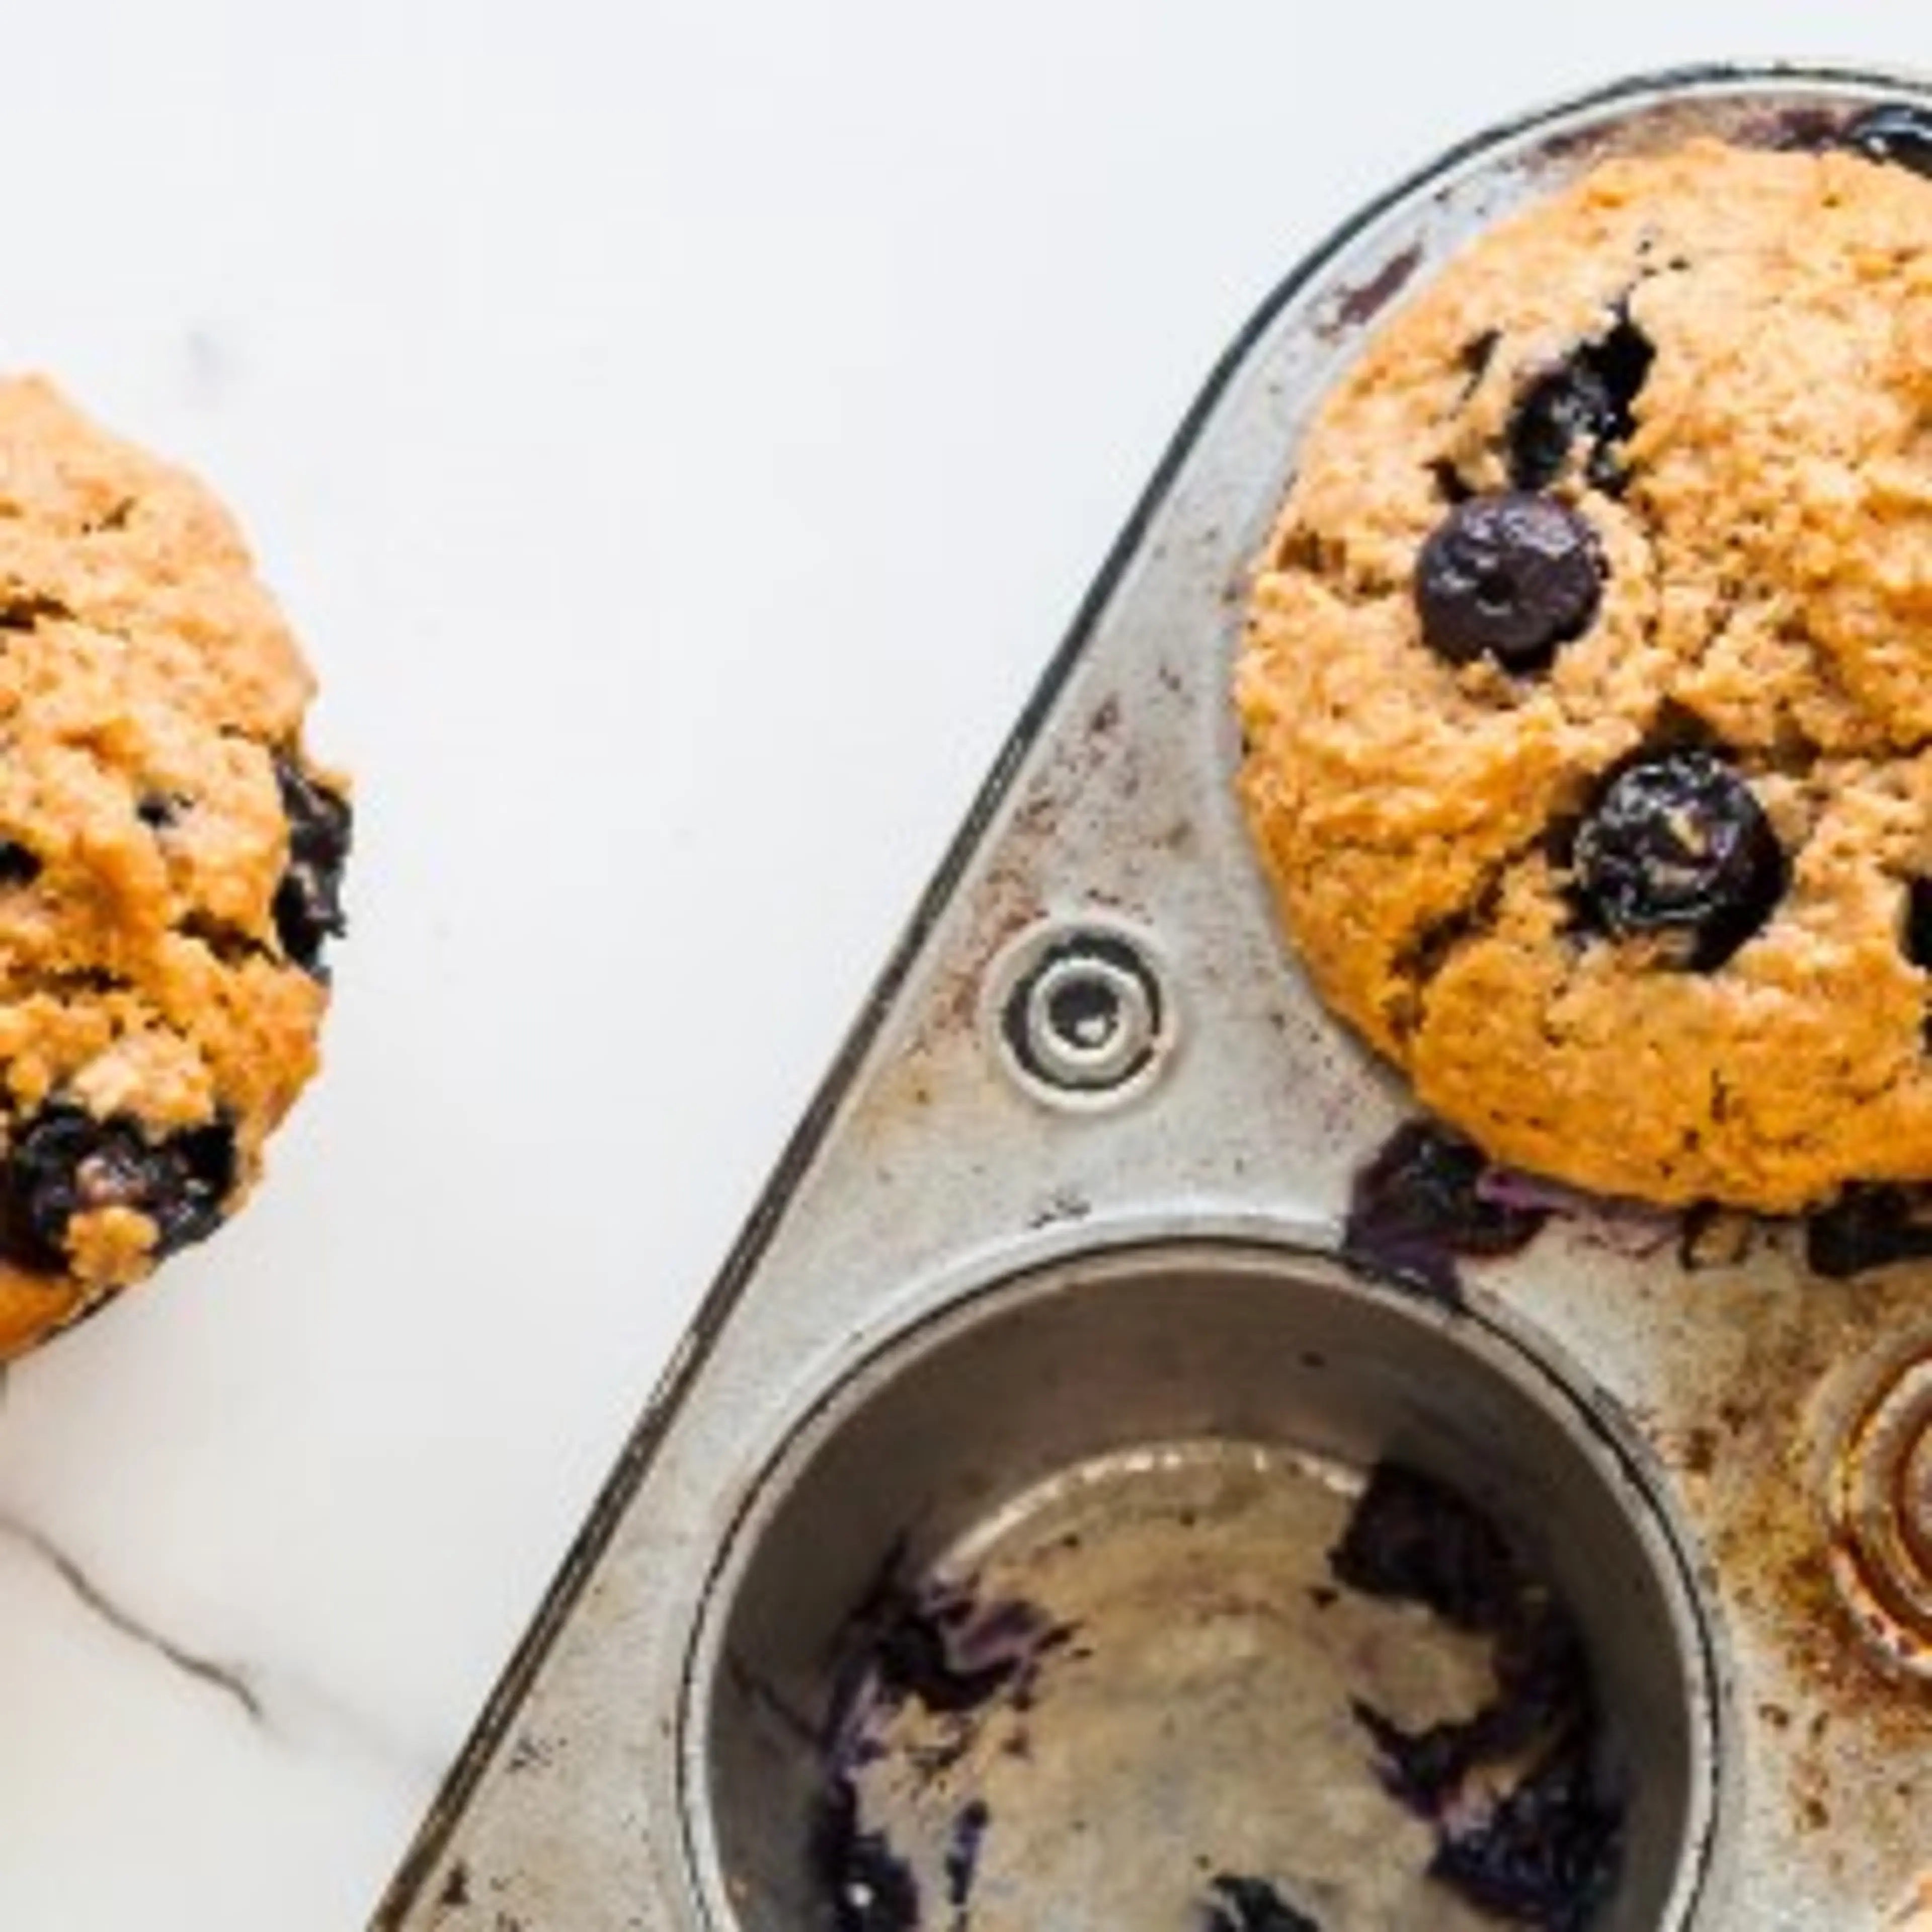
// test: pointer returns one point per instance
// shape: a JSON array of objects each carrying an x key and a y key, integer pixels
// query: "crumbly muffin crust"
[
  {"x": 169, "y": 864},
  {"x": 1720, "y": 361}
]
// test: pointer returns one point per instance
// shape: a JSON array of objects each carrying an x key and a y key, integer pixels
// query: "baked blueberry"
[
  {"x": 1509, "y": 576},
  {"x": 1918, "y": 934},
  {"x": 1523, "y": 1827},
  {"x": 18, "y": 866},
  {"x": 1676, "y": 844},
  {"x": 64, "y": 1161},
  {"x": 308, "y": 901},
  {"x": 1896, "y": 133},
  {"x": 1870, "y": 1225},
  {"x": 1586, "y": 399}
]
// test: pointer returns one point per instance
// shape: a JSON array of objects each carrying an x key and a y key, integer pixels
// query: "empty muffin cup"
[{"x": 1201, "y": 1585}]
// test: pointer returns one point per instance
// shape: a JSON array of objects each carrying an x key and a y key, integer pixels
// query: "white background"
[{"x": 681, "y": 433}]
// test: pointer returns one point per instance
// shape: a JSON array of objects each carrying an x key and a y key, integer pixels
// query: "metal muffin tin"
[{"x": 1047, "y": 1293}]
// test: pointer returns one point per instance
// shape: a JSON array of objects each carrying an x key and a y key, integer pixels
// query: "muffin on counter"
[
  {"x": 170, "y": 865},
  {"x": 1587, "y": 691}
]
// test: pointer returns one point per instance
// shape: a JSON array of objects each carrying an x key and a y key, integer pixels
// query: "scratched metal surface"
[{"x": 927, "y": 1171}]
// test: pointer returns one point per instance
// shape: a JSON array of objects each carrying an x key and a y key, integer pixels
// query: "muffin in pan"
[
  {"x": 170, "y": 865},
  {"x": 1587, "y": 691}
]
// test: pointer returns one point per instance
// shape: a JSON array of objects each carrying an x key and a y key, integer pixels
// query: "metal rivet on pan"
[
  {"x": 1082, "y": 1015},
  {"x": 1880, "y": 1506}
]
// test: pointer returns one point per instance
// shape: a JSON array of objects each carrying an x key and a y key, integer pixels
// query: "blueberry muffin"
[
  {"x": 170, "y": 864},
  {"x": 1587, "y": 691}
]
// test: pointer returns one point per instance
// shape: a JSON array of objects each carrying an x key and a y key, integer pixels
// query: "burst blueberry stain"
[
  {"x": 307, "y": 905},
  {"x": 1509, "y": 576},
  {"x": 868, "y": 1887},
  {"x": 63, "y": 1161},
  {"x": 1544, "y": 1849},
  {"x": 1545, "y": 1854},
  {"x": 962, "y": 1851},
  {"x": 937, "y": 1642},
  {"x": 1410, "y": 1539},
  {"x": 1586, "y": 403},
  {"x": 1418, "y": 1204},
  {"x": 1253, "y": 1905},
  {"x": 1676, "y": 845},
  {"x": 933, "y": 1641}
]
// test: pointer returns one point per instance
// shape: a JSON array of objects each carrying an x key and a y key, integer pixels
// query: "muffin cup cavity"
[{"x": 1041, "y": 1615}]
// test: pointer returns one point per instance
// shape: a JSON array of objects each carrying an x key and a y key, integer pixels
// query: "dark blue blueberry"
[
  {"x": 1676, "y": 844},
  {"x": 1587, "y": 401},
  {"x": 1869, "y": 1225},
  {"x": 308, "y": 901},
  {"x": 64, "y": 1161},
  {"x": 1508, "y": 576},
  {"x": 1897, "y": 133}
]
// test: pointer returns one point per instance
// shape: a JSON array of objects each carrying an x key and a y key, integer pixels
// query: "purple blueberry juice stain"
[
  {"x": 1360, "y": 305},
  {"x": 1633, "y": 1228},
  {"x": 1419, "y": 1206},
  {"x": 1545, "y": 1854},
  {"x": 1427, "y": 1199},
  {"x": 962, "y": 1858},
  {"x": 867, "y": 1886},
  {"x": 1409, "y": 1540},
  {"x": 1543, "y": 1850},
  {"x": 934, "y": 1642}
]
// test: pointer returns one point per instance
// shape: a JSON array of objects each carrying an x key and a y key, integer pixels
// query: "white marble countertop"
[{"x": 681, "y": 434}]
